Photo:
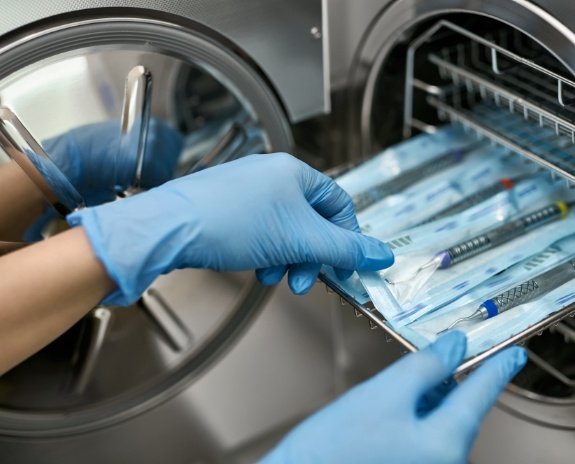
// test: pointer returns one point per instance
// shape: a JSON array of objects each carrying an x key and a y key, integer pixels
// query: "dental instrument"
[{"x": 522, "y": 293}]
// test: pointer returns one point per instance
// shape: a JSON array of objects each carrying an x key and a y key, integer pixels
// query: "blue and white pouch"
[
  {"x": 412, "y": 288},
  {"x": 483, "y": 335},
  {"x": 484, "y": 167},
  {"x": 402, "y": 157}
]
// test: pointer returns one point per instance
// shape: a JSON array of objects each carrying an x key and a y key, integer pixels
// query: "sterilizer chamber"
[
  {"x": 421, "y": 65},
  {"x": 63, "y": 67}
]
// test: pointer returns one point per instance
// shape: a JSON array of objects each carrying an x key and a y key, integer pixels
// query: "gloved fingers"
[
  {"x": 332, "y": 245},
  {"x": 343, "y": 274},
  {"x": 329, "y": 199},
  {"x": 470, "y": 402},
  {"x": 434, "y": 397},
  {"x": 302, "y": 277},
  {"x": 63, "y": 151},
  {"x": 271, "y": 275},
  {"x": 421, "y": 372}
]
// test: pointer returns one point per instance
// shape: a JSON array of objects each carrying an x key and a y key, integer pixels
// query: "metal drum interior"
[
  {"x": 64, "y": 76},
  {"x": 423, "y": 65}
]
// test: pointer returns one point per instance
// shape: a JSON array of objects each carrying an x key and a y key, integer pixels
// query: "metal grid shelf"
[
  {"x": 537, "y": 144},
  {"x": 527, "y": 90},
  {"x": 485, "y": 95},
  {"x": 507, "y": 90},
  {"x": 377, "y": 321}
]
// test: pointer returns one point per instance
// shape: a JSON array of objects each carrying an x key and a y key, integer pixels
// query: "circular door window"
[{"x": 118, "y": 362}]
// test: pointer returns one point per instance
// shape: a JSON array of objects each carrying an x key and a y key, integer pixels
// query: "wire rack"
[
  {"x": 521, "y": 102},
  {"x": 511, "y": 93}
]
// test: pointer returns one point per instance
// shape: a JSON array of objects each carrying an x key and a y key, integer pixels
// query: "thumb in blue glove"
[
  {"x": 265, "y": 212},
  {"x": 411, "y": 412}
]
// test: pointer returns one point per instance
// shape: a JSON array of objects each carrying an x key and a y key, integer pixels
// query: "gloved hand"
[
  {"x": 405, "y": 414},
  {"x": 90, "y": 158},
  {"x": 263, "y": 212}
]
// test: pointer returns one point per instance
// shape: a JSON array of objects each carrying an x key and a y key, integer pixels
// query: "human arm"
[
  {"x": 21, "y": 203},
  {"x": 90, "y": 158},
  {"x": 266, "y": 212},
  {"x": 412, "y": 412},
  {"x": 45, "y": 289},
  {"x": 272, "y": 213}
]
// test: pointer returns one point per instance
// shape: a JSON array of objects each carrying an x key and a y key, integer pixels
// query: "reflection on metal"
[
  {"x": 89, "y": 347},
  {"x": 564, "y": 329},
  {"x": 111, "y": 49},
  {"x": 235, "y": 136},
  {"x": 547, "y": 367},
  {"x": 136, "y": 119},
  {"x": 23, "y": 148},
  {"x": 534, "y": 69},
  {"x": 165, "y": 320},
  {"x": 9, "y": 247}
]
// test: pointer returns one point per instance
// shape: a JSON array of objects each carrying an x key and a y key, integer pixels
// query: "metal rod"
[
  {"x": 566, "y": 331},
  {"x": 462, "y": 117},
  {"x": 225, "y": 141},
  {"x": 136, "y": 119},
  {"x": 540, "y": 362},
  {"x": 99, "y": 320},
  {"x": 22, "y": 147},
  {"x": 497, "y": 89},
  {"x": 165, "y": 320}
]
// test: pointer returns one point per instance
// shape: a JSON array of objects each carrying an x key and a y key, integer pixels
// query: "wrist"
[{"x": 135, "y": 241}]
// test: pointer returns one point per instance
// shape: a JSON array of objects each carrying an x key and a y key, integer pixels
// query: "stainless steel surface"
[
  {"x": 396, "y": 24},
  {"x": 289, "y": 42},
  {"x": 167, "y": 322},
  {"x": 505, "y": 438},
  {"x": 135, "y": 119},
  {"x": 535, "y": 418},
  {"x": 100, "y": 320},
  {"x": 21, "y": 146},
  {"x": 200, "y": 89},
  {"x": 298, "y": 355}
]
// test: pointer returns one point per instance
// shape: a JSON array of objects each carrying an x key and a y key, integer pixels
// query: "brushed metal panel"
[{"x": 276, "y": 34}]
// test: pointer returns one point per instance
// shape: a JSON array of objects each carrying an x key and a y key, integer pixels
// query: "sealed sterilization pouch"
[
  {"x": 422, "y": 278},
  {"x": 465, "y": 236},
  {"x": 352, "y": 287},
  {"x": 403, "y": 157},
  {"x": 485, "y": 334},
  {"x": 486, "y": 172},
  {"x": 444, "y": 287}
]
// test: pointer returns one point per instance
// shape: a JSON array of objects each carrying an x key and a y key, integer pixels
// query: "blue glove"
[
  {"x": 90, "y": 158},
  {"x": 405, "y": 414},
  {"x": 265, "y": 212}
]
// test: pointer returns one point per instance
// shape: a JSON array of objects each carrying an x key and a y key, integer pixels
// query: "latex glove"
[
  {"x": 90, "y": 157},
  {"x": 405, "y": 414},
  {"x": 262, "y": 212}
]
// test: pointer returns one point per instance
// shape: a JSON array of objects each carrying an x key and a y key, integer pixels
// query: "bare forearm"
[
  {"x": 21, "y": 203},
  {"x": 44, "y": 290}
]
